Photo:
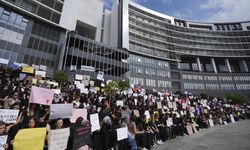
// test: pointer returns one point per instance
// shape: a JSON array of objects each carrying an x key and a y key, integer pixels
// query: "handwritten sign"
[
  {"x": 41, "y": 95},
  {"x": 119, "y": 103},
  {"x": 8, "y": 115},
  {"x": 58, "y": 139},
  {"x": 94, "y": 120},
  {"x": 122, "y": 133}
]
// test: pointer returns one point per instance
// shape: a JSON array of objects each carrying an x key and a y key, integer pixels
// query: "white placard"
[
  {"x": 8, "y": 115},
  {"x": 184, "y": 105},
  {"x": 95, "y": 124},
  {"x": 42, "y": 67},
  {"x": 147, "y": 114},
  {"x": 100, "y": 75},
  {"x": 3, "y": 140},
  {"x": 78, "y": 77},
  {"x": 4, "y": 61},
  {"x": 57, "y": 91},
  {"x": 119, "y": 103},
  {"x": 61, "y": 111},
  {"x": 232, "y": 118},
  {"x": 225, "y": 123},
  {"x": 159, "y": 106},
  {"x": 169, "y": 122},
  {"x": 41, "y": 73},
  {"x": 136, "y": 101},
  {"x": 122, "y": 133},
  {"x": 170, "y": 104},
  {"x": 174, "y": 106},
  {"x": 58, "y": 139},
  {"x": 211, "y": 123}
]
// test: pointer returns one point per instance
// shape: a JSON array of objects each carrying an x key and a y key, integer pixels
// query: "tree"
[
  {"x": 112, "y": 88},
  {"x": 61, "y": 77},
  {"x": 236, "y": 98},
  {"x": 123, "y": 85}
]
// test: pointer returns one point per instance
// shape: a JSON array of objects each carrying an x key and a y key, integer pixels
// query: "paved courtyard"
[{"x": 234, "y": 136}]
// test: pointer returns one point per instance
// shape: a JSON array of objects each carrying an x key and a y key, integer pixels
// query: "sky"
[{"x": 199, "y": 10}]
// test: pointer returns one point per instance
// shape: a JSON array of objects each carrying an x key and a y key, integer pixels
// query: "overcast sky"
[{"x": 199, "y": 10}]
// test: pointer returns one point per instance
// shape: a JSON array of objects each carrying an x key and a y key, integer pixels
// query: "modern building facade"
[
  {"x": 53, "y": 32},
  {"x": 175, "y": 54},
  {"x": 127, "y": 42}
]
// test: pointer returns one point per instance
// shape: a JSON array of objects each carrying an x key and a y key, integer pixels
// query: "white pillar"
[
  {"x": 198, "y": 63},
  {"x": 214, "y": 65},
  {"x": 228, "y": 65},
  {"x": 245, "y": 65}
]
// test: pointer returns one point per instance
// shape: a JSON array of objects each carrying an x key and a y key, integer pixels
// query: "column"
[
  {"x": 198, "y": 63},
  {"x": 245, "y": 65},
  {"x": 228, "y": 65},
  {"x": 214, "y": 65}
]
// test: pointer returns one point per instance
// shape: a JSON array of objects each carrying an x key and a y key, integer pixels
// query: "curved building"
[{"x": 177, "y": 54}]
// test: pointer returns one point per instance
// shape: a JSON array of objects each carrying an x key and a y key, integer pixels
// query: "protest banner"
[
  {"x": 82, "y": 137},
  {"x": 58, "y": 139},
  {"x": 159, "y": 106},
  {"x": 3, "y": 140},
  {"x": 28, "y": 70},
  {"x": 41, "y": 96},
  {"x": 147, "y": 114},
  {"x": 61, "y": 111},
  {"x": 94, "y": 120},
  {"x": 78, "y": 113},
  {"x": 122, "y": 133},
  {"x": 119, "y": 103},
  {"x": 30, "y": 139},
  {"x": 42, "y": 67},
  {"x": 8, "y": 115}
]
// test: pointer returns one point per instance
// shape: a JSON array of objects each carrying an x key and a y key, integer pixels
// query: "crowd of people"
[{"x": 151, "y": 118}]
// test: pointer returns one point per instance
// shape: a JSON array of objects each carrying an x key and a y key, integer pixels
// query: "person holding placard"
[{"x": 3, "y": 135}]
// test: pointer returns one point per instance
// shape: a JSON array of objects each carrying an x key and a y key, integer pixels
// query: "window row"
[
  {"x": 11, "y": 36},
  {"x": 164, "y": 84},
  {"x": 192, "y": 77},
  {"x": 12, "y": 19},
  {"x": 225, "y": 78},
  {"x": 242, "y": 78},
  {"x": 149, "y": 61},
  {"x": 212, "y": 86},
  {"x": 243, "y": 86},
  {"x": 227, "y": 87},
  {"x": 41, "y": 45},
  {"x": 38, "y": 61},
  {"x": 194, "y": 86}
]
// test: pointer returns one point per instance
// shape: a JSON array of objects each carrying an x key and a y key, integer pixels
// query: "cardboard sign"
[
  {"x": 8, "y": 115},
  {"x": 61, "y": 111},
  {"x": 94, "y": 120},
  {"x": 3, "y": 140},
  {"x": 27, "y": 139},
  {"x": 58, "y": 139},
  {"x": 78, "y": 113},
  {"x": 41, "y": 96},
  {"x": 122, "y": 133},
  {"x": 82, "y": 136},
  {"x": 189, "y": 129},
  {"x": 100, "y": 75}
]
